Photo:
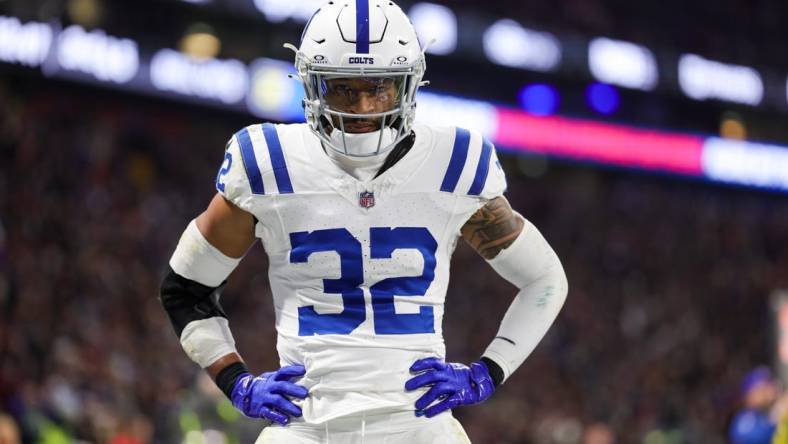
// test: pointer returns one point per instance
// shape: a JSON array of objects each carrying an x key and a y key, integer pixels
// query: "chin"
[{"x": 361, "y": 130}]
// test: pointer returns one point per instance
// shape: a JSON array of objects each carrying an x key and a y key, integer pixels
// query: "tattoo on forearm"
[{"x": 491, "y": 229}]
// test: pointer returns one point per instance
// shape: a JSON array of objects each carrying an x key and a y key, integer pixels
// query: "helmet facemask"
[{"x": 333, "y": 92}]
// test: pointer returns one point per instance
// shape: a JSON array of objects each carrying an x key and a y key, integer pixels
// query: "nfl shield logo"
[{"x": 366, "y": 199}]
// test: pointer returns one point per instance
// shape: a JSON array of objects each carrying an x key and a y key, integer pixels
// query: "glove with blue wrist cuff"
[{"x": 450, "y": 384}]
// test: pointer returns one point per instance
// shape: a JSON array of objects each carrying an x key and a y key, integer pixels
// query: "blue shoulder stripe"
[
  {"x": 459, "y": 154},
  {"x": 362, "y": 26},
  {"x": 481, "y": 170},
  {"x": 277, "y": 159},
  {"x": 250, "y": 162}
]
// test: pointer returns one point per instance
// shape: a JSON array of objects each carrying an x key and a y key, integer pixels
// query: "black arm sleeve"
[
  {"x": 229, "y": 375},
  {"x": 496, "y": 372},
  {"x": 186, "y": 300}
]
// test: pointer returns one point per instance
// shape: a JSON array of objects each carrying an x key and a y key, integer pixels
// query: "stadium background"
[{"x": 646, "y": 139}]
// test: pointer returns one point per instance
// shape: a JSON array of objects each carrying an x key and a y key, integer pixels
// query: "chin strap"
[
  {"x": 325, "y": 122},
  {"x": 397, "y": 153}
]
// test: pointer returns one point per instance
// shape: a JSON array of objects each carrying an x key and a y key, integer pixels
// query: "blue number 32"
[{"x": 383, "y": 242}]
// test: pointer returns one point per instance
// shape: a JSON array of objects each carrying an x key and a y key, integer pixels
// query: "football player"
[{"x": 359, "y": 210}]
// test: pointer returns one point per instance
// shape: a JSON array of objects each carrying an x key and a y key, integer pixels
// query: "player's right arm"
[
  {"x": 231, "y": 231},
  {"x": 208, "y": 251}
]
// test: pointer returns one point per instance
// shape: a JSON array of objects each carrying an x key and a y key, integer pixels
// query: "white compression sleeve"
[
  {"x": 207, "y": 340},
  {"x": 533, "y": 267},
  {"x": 196, "y": 259},
  {"x": 204, "y": 340}
]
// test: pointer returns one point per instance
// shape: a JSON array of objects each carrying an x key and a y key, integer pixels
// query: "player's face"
[{"x": 361, "y": 96}]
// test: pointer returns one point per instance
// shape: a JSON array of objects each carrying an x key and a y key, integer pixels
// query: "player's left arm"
[
  {"x": 521, "y": 255},
  {"x": 516, "y": 249}
]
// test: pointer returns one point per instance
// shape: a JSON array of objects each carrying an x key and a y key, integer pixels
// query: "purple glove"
[
  {"x": 452, "y": 384},
  {"x": 268, "y": 395}
]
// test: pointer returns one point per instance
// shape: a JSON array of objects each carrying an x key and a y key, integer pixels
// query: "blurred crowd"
[{"x": 667, "y": 309}]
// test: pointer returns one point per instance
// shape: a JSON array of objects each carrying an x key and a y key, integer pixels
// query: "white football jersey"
[{"x": 358, "y": 270}]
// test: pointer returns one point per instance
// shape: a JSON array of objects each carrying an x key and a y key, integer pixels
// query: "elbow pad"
[{"x": 190, "y": 294}]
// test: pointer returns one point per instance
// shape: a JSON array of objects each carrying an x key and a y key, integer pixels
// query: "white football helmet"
[{"x": 370, "y": 39}]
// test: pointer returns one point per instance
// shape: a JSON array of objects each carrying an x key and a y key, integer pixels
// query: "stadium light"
[
  {"x": 746, "y": 163},
  {"x": 622, "y": 63},
  {"x": 213, "y": 79},
  {"x": 732, "y": 127},
  {"x": 106, "y": 58},
  {"x": 603, "y": 98},
  {"x": 603, "y": 143},
  {"x": 272, "y": 94},
  {"x": 539, "y": 99},
  {"x": 441, "y": 109},
  {"x": 277, "y": 11},
  {"x": 702, "y": 79},
  {"x": 87, "y": 13},
  {"x": 435, "y": 22},
  {"x": 509, "y": 44},
  {"x": 26, "y": 44},
  {"x": 200, "y": 41}
]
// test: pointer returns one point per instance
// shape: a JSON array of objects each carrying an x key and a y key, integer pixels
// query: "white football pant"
[{"x": 393, "y": 428}]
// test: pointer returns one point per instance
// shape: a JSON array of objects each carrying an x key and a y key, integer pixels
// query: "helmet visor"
[{"x": 361, "y": 104}]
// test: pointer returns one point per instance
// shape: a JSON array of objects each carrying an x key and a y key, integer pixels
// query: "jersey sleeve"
[
  {"x": 231, "y": 180},
  {"x": 495, "y": 184},
  {"x": 255, "y": 165},
  {"x": 469, "y": 165}
]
